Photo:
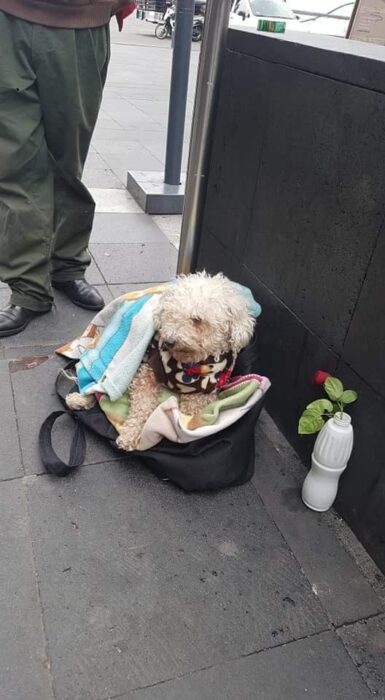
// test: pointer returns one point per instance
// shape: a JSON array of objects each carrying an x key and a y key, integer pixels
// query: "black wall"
[{"x": 295, "y": 210}]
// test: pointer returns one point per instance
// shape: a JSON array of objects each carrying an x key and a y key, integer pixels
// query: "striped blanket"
[
  {"x": 112, "y": 347},
  {"x": 167, "y": 421}
]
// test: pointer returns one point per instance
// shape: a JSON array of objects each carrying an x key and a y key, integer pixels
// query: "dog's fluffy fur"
[{"x": 196, "y": 317}]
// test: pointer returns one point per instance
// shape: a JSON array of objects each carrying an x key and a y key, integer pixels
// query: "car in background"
[
  {"x": 249, "y": 13},
  {"x": 330, "y": 17},
  {"x": 154, "y": 10}
]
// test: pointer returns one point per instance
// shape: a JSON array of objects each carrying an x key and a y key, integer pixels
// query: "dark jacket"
[{"x": 67, "y": 14}]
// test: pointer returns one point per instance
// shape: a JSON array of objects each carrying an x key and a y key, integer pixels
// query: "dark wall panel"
[
  {"x": 295, "y": 210},
  {"x": 365, "y": 345}
]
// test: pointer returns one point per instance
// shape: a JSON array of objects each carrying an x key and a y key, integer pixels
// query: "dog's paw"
[
  {"x": 124, "y": 444},
  {"x": 78, "y": 402}
]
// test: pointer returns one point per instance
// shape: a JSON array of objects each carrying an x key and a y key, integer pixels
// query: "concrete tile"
[
  {"x": 35, "y": 399},
  {"x": 118, "y": 201},
  {"x": 139, "y": 159},
  {"x": 126, "y": 228},
  {"x": 135, "y": 262},
  {"x": 106, "y": 122},
  {"x": 118, "y": 289},
  {"x": 64, "y": 322},
  {"x": 29, "y": 351},
  {"x": 114, "y": 135},
  {"x": 10, "y": 457},
  {"x": 122, "y": 145},
  {"x": 94, "y": 161},
  {"x": 125, "y": 112},
  {"x": 309, "y": 669},
  {"x": 157, "y": 583},
  {"x": 134, "y": 119},
  {"x": 4, "y": 297},
  {"x": 23, "y": 657},
  {"x": 365, "y": 644},
  {"x": 323, "y": 559},
  {"x": 102, "y": 179},
  {"x": 170, "y": 225},
  {"x": 93, "y": 274}
]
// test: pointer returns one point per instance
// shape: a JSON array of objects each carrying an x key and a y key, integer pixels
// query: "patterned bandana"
[{"x": 204, "y": 377}]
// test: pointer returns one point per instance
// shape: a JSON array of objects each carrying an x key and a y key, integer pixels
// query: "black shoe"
[
  {"x": 14, "y": 319},
  {"x": 81, "y": 293}
]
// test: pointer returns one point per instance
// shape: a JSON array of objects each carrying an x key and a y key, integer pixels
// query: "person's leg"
[
  {"x": 71, "y": 74},
  {"x": 26, "y": 177}
]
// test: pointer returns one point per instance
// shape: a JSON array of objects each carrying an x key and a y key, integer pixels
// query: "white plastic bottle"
[{"x": 331, "y": 454}]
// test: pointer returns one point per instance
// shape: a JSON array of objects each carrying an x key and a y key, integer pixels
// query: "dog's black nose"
[{"x": 168, "y": 344}]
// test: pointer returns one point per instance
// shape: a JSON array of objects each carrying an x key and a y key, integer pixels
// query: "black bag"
[{"x": 208, "y": 464}]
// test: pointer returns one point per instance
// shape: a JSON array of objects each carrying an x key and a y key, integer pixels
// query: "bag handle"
[{"x": 51, "y": 461}]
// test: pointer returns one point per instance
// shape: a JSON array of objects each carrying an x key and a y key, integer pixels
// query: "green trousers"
[{"x": 51, "y": 84}]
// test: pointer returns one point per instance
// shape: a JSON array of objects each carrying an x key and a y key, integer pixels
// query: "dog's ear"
[{"x": 241, "y": 326}]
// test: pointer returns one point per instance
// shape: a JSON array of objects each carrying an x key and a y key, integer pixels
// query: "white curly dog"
[{"x": 202, "y": 322}]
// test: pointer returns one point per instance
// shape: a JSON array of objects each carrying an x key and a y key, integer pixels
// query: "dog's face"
[{"x": 199, "y": 316}]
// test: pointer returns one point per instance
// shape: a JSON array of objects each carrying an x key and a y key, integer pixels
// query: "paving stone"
[
  {"x": 29, "y": 351},
  {"x": 24, "y": 665},
  {"x": 136, "y": 262},
  {"x": 365, "y": 643},
  {"x": 10, "y": 457},
  {"x": 64, "y": 322},
  {"x": 170, "y": 225},
  {"x": 126, "y": 228},
  {"x": 114, "y": 201},
  {"x": 327, "y": 565},
  {"x": 149, "y": 583},
  {"x": 309, "y": 669},
  {"x": 35, "y": 399},
  {"x": 93, "y": 274},
  {"x": 94, "y": 160},
  {"x": 132, "y": 160},
  {"x": 118, "y": 289},
  {"x": 103, "y": 177},
  {"x": 124, "y": 146}
]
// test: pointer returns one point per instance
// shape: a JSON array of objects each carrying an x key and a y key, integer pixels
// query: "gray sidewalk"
[{"x": 114, "y": 584}]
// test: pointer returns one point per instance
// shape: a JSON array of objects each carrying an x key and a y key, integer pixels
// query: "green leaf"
[
  {"x": 310, "y": 423},
  {"x": 334, "y": 388},
  {"x": 349, "y": 396},
  {"x": 320, "y": 406}
]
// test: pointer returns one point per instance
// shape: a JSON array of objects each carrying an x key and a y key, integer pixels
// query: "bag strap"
[{"x": 51, "y": 461}]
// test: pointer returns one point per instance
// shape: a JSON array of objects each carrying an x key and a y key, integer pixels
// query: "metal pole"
[
  {"x": 214, "y": 39},
  {"x": 178, "y": 92}
]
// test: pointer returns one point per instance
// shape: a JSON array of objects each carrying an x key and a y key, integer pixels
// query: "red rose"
[{"x": 320, "y": 377}]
